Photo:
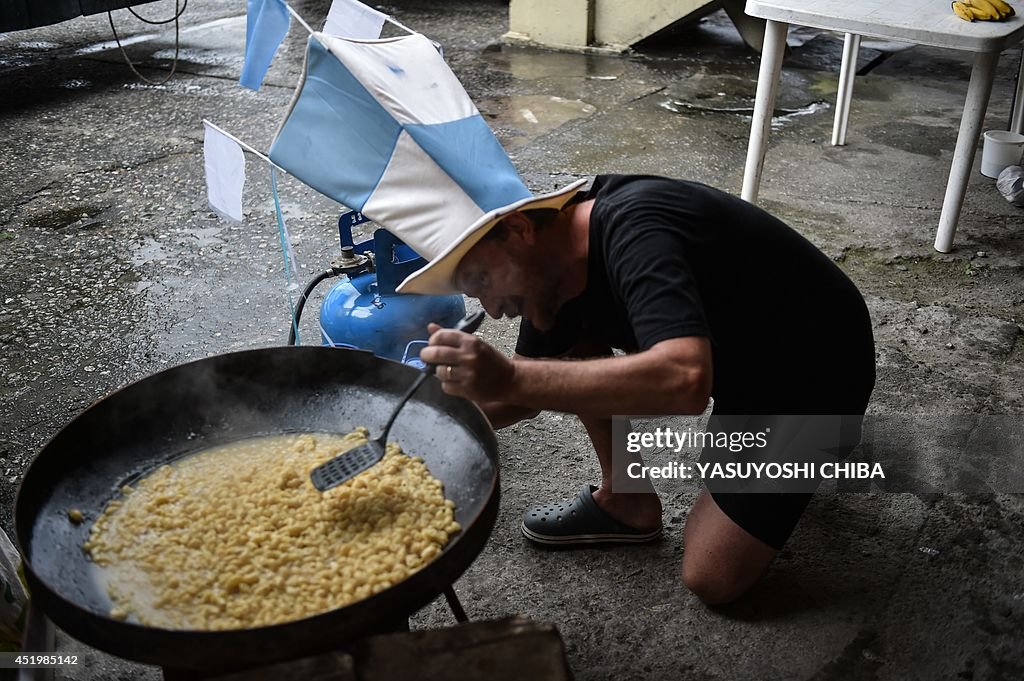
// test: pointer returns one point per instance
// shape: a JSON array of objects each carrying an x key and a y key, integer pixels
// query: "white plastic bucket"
[{"x": 1002, "y": 148}]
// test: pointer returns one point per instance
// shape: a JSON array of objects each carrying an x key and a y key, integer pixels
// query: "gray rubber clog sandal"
[{"x": 580, "y": 521}]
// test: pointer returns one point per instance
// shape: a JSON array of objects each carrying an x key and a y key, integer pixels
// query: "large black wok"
[{"x": 225, "y": 398}]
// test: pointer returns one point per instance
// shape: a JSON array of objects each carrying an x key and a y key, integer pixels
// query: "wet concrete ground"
[{"x": 114, "y": 267}]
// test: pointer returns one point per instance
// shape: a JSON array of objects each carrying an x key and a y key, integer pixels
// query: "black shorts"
[{"x": 832, "y": 379}]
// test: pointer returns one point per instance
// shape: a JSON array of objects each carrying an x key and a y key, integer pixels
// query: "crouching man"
[{"x": 709, "y": 297}]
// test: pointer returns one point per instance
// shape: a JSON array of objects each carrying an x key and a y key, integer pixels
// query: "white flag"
[
  {"x": 353, "y": 19},
  {"x": 225, "y": 172}
]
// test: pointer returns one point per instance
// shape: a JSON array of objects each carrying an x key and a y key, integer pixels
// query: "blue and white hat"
[{"x": 384, "y": 127}]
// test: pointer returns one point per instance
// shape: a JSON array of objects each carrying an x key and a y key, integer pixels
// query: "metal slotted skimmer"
[{"x": 348, "y": 465}]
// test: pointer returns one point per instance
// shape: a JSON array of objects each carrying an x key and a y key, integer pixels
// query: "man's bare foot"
[{"x": 639, "y": 511}]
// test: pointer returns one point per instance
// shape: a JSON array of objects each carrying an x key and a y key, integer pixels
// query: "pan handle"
[{"x": 469, "y": 324}]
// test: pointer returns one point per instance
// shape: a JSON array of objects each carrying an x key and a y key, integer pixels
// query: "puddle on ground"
[
  {"x": 207, "y": 236},
  {"x": 83, "y": 216},
  {"x": 780, "y": 116},
  {"x": 523, "y": 118},
  {"x": 531, "y": 64},
  {"x": 150, "y": 251},
  {"x": 105, "y": 45},
  {"x": 202, "y": 34},
  {"x": 193, "y": 56},
  {"x": 37, "y": 45},
  {"x": 706, "y": 92}
]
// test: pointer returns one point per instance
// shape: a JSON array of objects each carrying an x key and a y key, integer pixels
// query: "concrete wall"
[{"x": 577, "y": 24}]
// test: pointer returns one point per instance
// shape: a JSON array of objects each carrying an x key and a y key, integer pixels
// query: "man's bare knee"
[
  {"x": 721, "y": 560},
  {"x": 713, "y": 587}
]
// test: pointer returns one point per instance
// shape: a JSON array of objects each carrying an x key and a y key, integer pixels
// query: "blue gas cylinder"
[{"x": 365, "y": 312}]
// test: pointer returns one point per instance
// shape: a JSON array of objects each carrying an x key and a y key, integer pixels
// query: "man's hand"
[{"x": 467, "y": 366}]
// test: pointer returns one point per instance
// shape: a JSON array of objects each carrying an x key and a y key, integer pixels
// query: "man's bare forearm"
[
  {"x": 673, "y": 377},
  {"x": 503, "y": 414}
]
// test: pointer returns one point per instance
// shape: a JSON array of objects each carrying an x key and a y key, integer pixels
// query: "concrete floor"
[{"x": 113, "y": 267}]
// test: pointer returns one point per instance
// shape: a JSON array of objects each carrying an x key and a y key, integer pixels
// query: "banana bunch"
[{"x": 984, "y": 10}]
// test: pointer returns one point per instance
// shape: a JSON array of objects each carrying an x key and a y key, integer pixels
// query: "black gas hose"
[{"x": 326, "y": 274}]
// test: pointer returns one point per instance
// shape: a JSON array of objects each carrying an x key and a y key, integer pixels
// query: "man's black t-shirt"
[{"x": 669, "y": 258}]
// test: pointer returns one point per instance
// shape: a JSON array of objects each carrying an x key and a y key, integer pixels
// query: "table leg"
[
  {"x": 764, "y": 105},
  {"x": 847, "y": 72},
  {"x": 978, "y": 91},
  {"x": 1017, "y": 118}
]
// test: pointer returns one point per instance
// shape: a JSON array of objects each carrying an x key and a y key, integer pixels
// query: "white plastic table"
[{"x": 923, "y": 22}]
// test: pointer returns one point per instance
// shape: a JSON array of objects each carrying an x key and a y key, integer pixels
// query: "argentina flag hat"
[{"x": 384, "y": 127}]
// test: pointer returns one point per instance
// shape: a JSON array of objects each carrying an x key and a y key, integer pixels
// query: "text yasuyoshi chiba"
[{"x": 733, "y": 470}]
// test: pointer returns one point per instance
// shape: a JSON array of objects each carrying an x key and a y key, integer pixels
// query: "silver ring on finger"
[{"x": 449, "y": 372}]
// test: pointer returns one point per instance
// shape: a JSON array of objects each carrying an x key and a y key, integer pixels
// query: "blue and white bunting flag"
[
  {"x": 353, "y": 19},
  {"x": 266, "y": 25},
  {"x": 225, "y": 172}
]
